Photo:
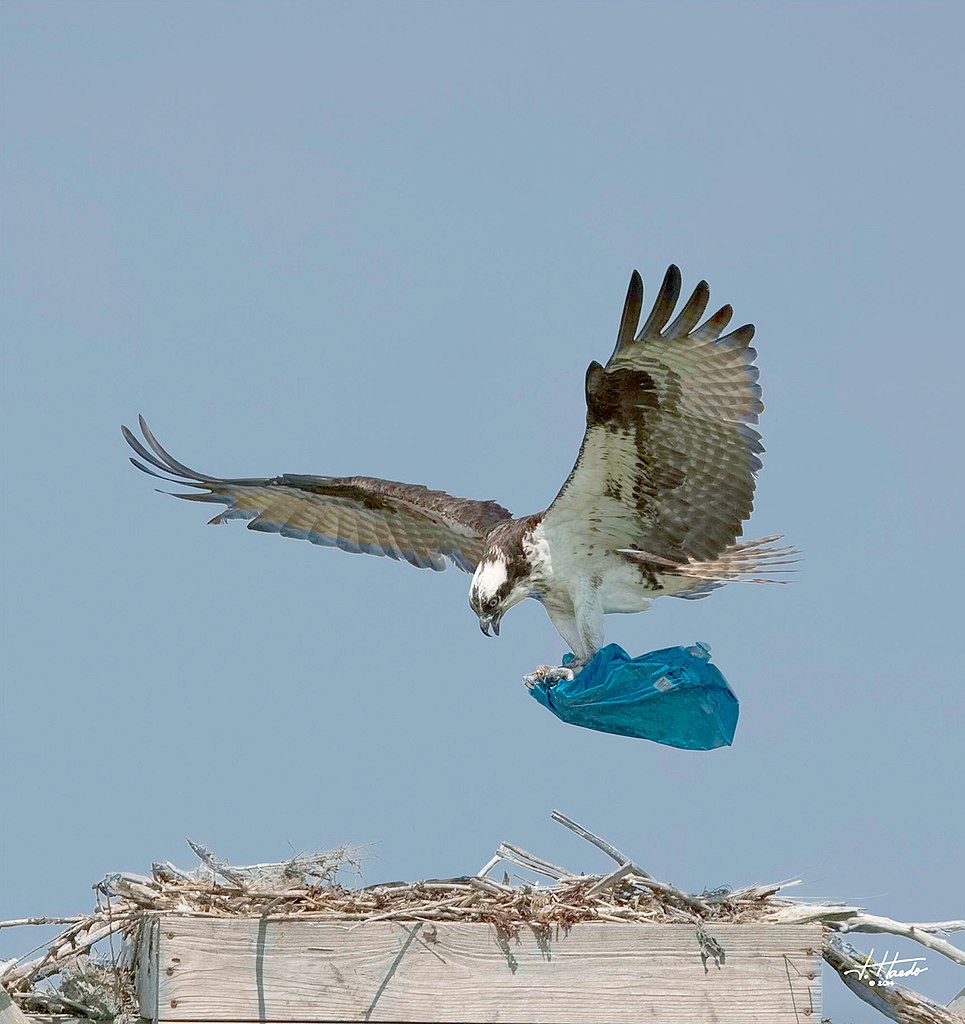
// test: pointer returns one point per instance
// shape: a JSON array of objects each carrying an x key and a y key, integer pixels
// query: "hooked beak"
[{"x": 485, "y": 621}]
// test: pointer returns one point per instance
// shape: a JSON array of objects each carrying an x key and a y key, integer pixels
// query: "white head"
[{"x": 500, "y": 581}]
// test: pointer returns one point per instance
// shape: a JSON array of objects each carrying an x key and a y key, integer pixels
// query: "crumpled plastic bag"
[{"x": 674, "y": 696}]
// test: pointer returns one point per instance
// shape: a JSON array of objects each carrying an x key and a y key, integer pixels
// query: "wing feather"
[
  {"x": 631, "y": 312},
  {"x": 669, "y": 457},
  {"x": 664, "y": 305},
  {"x": 357, "y": 514},
  {"x": 714, "y": 326},
  {"x": 692, "y": 311}
]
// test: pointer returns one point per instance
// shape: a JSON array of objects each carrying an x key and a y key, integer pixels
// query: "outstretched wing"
[
  {"x": 357, "y": 514},
  {"x": 669, "y": 458}
]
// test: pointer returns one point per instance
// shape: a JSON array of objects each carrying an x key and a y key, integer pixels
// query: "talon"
[{"x": 547, "y": 674}]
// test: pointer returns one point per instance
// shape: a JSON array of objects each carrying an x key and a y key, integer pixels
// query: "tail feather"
[{"x": 751, "y": 561}]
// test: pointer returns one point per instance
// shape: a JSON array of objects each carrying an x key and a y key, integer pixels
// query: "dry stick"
[
  {"x": 52, "y": 961},
  {"x": 511, "y": 858},
  {"x": 421, "y": 909},
  {"x": 403, "y": 888},
  {"x": 693, "y": 902},
  {"x": 806, "y": 913},
  {"x": 851, "y": 919},
  {"x": 758, "y": 891},
  {"x": 411, "y": 911},
  {"x": 159, "y": 868},
  {"x": 488, "y": 866},
  {"x": 54, "y": 1003},
  {"x": 611, "y": 917},
  {"x": 43, "y": 920},
  {"x": 488, "y": 885},
  {"x": 567, "y": 881},
  {"x": 647, "y": 879},
  {"x": 600, "y": 844},
  {"x": 897, "y": 1002},
  {"x": 611, "y": 879},
  {"x": 946, "y": 927},
  {"x": 69, "y": 935},
  {"x": 862, "y": 922},
  {"x": 212, "y": 862},
  {"x": 266, "y": 910},
  {"x": 548, "y": 869}
]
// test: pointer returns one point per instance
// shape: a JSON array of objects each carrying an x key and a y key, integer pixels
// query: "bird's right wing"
[
  {"x": 670, "y": 453},
  {"x": 357, "y": 514}
]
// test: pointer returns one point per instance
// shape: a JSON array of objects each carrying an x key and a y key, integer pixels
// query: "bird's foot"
[{"x": 547, "y": 674}]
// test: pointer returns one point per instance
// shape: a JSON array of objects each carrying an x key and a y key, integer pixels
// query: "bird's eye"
[{"x": 493, "y": 602}]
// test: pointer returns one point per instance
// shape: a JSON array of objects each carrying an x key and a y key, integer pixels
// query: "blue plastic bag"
[{"x": 674, "y": 696}]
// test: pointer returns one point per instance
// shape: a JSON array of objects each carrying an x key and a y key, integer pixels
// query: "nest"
[{"x": 69, "y": 976}]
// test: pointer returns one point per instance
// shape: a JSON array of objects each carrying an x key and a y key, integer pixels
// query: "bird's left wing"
[
  {"x": 669, "y": 457},
  {"x": 356, "y": 514}
]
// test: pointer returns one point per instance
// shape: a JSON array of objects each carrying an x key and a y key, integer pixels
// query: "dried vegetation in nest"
[{"x": 65, "y": 976}]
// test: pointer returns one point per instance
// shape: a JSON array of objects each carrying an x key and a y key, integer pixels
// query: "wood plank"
[
  {"x": 244, "y": 969},
  {"x": 9, "y": 1011},
  {"x": 146, "y": 968}
]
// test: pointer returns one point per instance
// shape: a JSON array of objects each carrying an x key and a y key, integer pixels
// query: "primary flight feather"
[{"x": 653, "y": 507}]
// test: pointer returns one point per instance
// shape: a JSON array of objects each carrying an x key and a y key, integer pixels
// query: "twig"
[
  {"x": 53, "y": 1002},
  {"x": 41, "y": 921},
  {"x": 488, "y": 885},
  {"x": 66, "y": 947},
  {"x": 647, "y": 879},
  {"x": 488, "y": 866},
  {"x": 897, "y": 1002},
  {"x": 756, "y": 891},
  {"x": 212, "y": 862},
  {"x": 862, "y": 922},
  {"x": 611, "y": 879},
  {"x": 535, "y": 863},
  {"x": 842, "y": 918},
  {"x": 600, "y": 844},
  {"x": 941, "y": 927}
]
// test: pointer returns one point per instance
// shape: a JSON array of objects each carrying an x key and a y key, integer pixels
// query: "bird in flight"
[{"x": 653, "y": 507}]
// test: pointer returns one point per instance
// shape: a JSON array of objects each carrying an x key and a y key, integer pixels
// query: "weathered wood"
[
  {"x": 55, "y": 1018},
  {"x": 248, "y": 969},
  {"x": 895, "y": 1002},
  {"x": 9, "y": 1011},
  {"x": 146, "y": 969}
]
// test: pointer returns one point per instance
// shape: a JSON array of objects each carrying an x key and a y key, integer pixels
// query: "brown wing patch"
[
  {"x": 620, "y": 399},
  {"x": 669, "y": 457},
  {"x": 350, "y": 492},
  {"x": 356, "y": 514}
]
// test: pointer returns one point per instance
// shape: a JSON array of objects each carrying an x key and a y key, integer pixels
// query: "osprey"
[{"x": 653, "y": 507}]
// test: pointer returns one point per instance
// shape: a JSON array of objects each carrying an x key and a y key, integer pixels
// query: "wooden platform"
[{"x": 286, "y": 971}]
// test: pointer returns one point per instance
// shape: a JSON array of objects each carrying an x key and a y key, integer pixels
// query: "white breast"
[
  {"x": 536, "y": 548},
  {"x": 622, "y": 589}
]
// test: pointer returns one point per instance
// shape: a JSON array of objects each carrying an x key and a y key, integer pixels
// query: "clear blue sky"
[{"x": 388, "y": 239}]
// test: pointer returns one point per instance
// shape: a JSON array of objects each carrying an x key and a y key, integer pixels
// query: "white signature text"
[{"x": 884, "y": 971}]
